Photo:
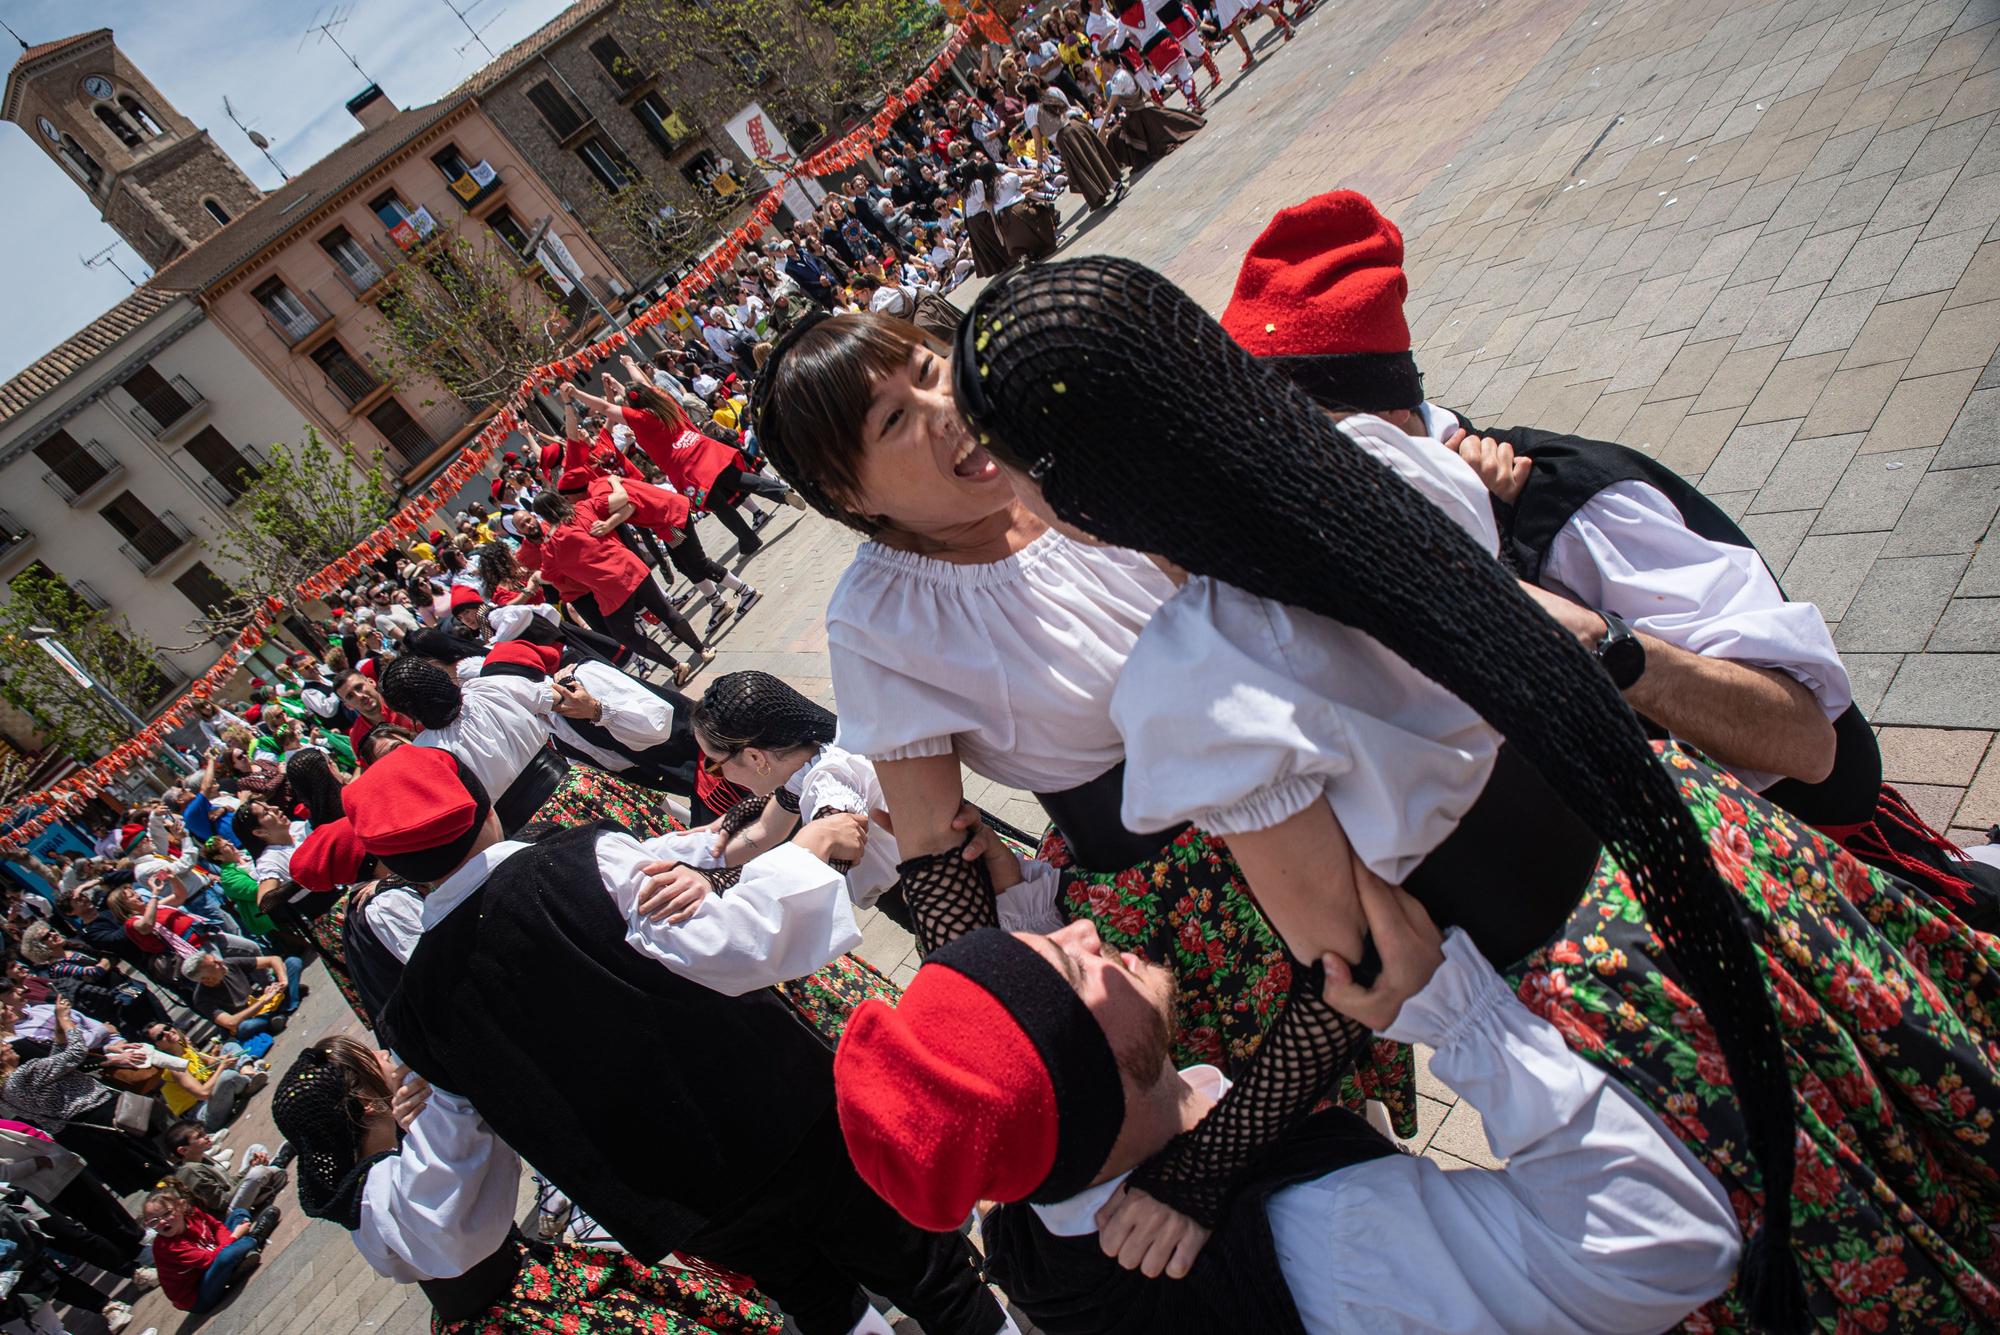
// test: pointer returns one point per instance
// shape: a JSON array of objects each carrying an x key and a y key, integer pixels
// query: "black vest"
[
  {"x": 1568, "y": 471},
  {"x": 371, "y": 966},
  {"x": 525, "y": 1000},
  {"x": 1068, "y": 1286},
  {"x": 668, "y": 766}
]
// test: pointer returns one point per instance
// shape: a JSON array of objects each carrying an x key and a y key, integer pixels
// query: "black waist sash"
[
  {"x": 1512, "y": 872},
  {"x": 1088, "y": 816},
  {"x": 478, "y": 1289},
  {"x": 534, "y": 785}
]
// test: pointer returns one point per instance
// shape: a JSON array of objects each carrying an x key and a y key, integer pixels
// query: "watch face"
[
  {"x": 48, "y": 129},
  {"x": 98, "y": 86}
]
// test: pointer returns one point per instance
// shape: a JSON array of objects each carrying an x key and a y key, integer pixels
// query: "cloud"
[{"x": 291, "y": 90}]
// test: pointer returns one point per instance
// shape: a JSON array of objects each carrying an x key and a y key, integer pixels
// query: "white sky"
[{"x": 195, "y": 52}]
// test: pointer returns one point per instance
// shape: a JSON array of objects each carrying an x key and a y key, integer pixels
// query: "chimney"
[{"x": 372, "y": 107}]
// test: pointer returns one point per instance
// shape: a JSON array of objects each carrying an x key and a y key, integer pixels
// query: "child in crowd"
[
  {"x": 207, "y": 1181},
  {"x": 199, "y": 1256}
]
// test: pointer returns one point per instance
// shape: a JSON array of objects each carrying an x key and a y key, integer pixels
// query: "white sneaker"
[
  {"x": 117, "y": 1316},
  {"x": 145, "y": 1279}
]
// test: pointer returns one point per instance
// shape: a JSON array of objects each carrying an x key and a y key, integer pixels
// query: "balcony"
[
  {"x": 83, "y": 472},
  {"x": 15, "y": 539},
  {"x": 226, "y": 491},
  {"x": 358, "y": 275},
  {"x": 155, "y": 544},
  {"x": 414, "y": 444},
  {"x": 469, "y": 193},
  {"x": 88, "y": 596},
  {"x": 350, "y": 381},
  {"x": 170, "y": 406},
  {"x": 296, "y": 322}
]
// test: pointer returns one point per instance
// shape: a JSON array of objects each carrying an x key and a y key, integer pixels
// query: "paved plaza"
[{"x": 1757, "y": 242}]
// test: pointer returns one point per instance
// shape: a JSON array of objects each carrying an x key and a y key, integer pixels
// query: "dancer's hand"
[
  {"x": 412, "y": 1093},
  {"x": 980, "y": 844},
  {"x": 1147, "y": 1235},
  {"x": 573, "y": 699},
  {"x": 1410, "y": 946},
  {"x": 672, "y": 892},
  {"x": 841, "y": 837},
  {"x": 1500, "y": 470}
]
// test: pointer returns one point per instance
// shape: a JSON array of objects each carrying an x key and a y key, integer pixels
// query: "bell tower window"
[
  {"x": 140, "y": 117},
  {"x": 120, "y": 128},
  {"x": 216, "y": 211}
]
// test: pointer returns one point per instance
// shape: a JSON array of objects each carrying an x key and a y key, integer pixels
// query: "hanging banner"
[
  {"x": 557, "y": 260},
  {"x": 764, "y": 144}
]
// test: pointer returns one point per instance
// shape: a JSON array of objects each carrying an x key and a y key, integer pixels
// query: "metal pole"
[{"x": 62, "y": 653}]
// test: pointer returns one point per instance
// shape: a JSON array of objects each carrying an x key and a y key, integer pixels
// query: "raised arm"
[{"x": 948, "y": 894}]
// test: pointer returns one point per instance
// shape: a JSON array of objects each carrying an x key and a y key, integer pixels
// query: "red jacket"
[
  {"x": 183, "y": 1258},
  {"x": 169, "y": 919},
  {"x": 665, "y": 512},
  {"x": 574, "y": 561}
]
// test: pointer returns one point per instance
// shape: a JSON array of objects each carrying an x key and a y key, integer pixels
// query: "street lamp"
[{"x": 70, "y": 663}]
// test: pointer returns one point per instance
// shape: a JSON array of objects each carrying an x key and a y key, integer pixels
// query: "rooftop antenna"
[
  {"x": 329, "y": 22},
  {"x": 109, "y": 256},
  {"x": 262, "y": 144},
  {"x": 479, "y": 33},
  {"x": 15, "y": 35}
]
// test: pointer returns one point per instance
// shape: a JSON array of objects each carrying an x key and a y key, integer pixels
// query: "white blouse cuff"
[
  {"x": 1265, "y": 808},
  {"x": 1031, "y": 905},
  {"x": 920, "y": 749}
]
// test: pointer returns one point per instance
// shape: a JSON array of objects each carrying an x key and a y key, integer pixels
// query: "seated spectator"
[
  {"x": 211, "y": 1185},
  {"x": 92, "y": 983},
  {"x": 57, "y": 1094},
  {"x": 244, "y": 998},
  {"x": 1600, "y": 1221},
  {"x": 239, "y": 885},
  {"x": 210, "y": 1090},
  {"x": 199, "y": 1256},
  {"x": 149, "y": 920}
]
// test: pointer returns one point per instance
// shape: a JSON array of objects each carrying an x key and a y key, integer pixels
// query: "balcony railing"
[
  {"x": 468, "y": 193},
  {"x": 424, "y": 433},
  {"x": 13, "y": 535},
  {"x": 166, "y": 407},
  {"x": 81, "y": 471},
  {"x": 153, "y": 545},
  {"x": 295, "y": 325},
  {"x": 359, "y": 277},
  {"x": 350, "y": 381},
  {"x": 88, "y": 596}
]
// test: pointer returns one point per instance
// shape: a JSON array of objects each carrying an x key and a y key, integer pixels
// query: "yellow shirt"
[
  {"x": 422, "y": 551},
  {"x": 179, "y": 1101}
]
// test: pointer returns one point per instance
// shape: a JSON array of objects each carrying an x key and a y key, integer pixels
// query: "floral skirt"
[
  {"x": 588, "y": 794},
  {"x": 1887, "y": 1005},
  {"x": 826, "y": 997},
  {"x": 572, "y": 1290},
  {"x": 329, "y": 933},
  {"x": 1190, "y": 910}
]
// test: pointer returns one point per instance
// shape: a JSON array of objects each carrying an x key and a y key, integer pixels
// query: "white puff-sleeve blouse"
[
  {"x": 1014, "y": 661},
  {"x": 1237, "y": 712}
]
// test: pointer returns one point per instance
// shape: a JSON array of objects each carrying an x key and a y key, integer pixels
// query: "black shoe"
[
  {"x": 283, "y": 1158},
  {"x": 716, "y": 619},
  {"x": 680, "y": 599},
  {"x": 265, "y": 1224},
  {"x": 748, "y": 600},
  {"x": 750, "y": 546},
  {"x": 761, "y": 517}
]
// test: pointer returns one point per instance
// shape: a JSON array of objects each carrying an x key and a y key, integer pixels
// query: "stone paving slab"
[{"x": 1757, "y": 240}]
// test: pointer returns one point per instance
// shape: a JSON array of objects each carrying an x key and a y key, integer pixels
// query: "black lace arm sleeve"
[
  {"x": 947, "y": 896},
  {"x": 738, "y": 818},
  {"x": 1305, "y": 1052},
  {"x": 721, "y": 878}
]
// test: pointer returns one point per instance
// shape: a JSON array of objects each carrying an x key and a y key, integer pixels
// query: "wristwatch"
[{"x": 1620, "y": 651}]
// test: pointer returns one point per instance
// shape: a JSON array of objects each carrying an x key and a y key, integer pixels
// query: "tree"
[
  {"x": 74, "y": 718},
  {"x": 467, "y": 316},
  {"x": 308, "y": 507},
  {"x": 809, "y": 63},
  {"x": 671, "y": 226}
]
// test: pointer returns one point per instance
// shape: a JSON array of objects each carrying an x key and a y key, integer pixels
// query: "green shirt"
[{"x": 239, "y": 887}]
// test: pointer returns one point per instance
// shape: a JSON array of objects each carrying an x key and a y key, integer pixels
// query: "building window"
[
  {"x": 140, "y": 116},
  {"x": 73, "y": 469},
  {"x": 222, "y": 461},
  {"x": 507, "y": 229},
  {"x": 347, "y": 377},
  {"x": 451, "y": 163},
  {"x": 663, "y": 126},
  {"x": 215, "y": 210},
  {"x": 616, "y": 63},
  {"x": 389, "y": 208},
  {"x": 606, "y": 163},
  {"x": 562, "y": 116},
  {"x": 81, "y": 162},
  {"x": 201, "y": 586},
  {"x": 118, "y": 125},
  {"x": 408, "y": 441},
  {"x": 705, "y": 171},
  {"x": 290, "y": 316}
]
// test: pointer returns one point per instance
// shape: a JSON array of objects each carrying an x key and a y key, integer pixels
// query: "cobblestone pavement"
[{"x": 1757, "y": 241}]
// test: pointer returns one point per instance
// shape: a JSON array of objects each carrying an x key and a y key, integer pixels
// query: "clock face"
[
  {"x": 48, "y": 129},
  {"x": 98, "y": 86}
]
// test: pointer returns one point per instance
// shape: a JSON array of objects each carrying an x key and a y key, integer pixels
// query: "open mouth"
[{"x": 972, "y": 462}]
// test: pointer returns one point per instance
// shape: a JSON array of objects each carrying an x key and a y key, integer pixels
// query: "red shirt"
[
  {"x": 169, "y": 919},
  {"x": 605, "y": 568},
  {"x": 690, "y": 460},
  {"x": 552, "y": 454},
  {"x": 185, "y": 1257},
  {"x": 666, "y": 512},
  {"x": 362, "y": 727}
]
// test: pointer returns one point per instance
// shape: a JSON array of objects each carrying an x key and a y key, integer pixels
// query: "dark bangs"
[{"x": 820, "y": 389}]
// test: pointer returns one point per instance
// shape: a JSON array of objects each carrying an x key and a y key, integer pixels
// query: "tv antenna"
[
  {"x": 327, "y": 25},
  {"x": 107, "y": 256},
  {"x": 478, "y": 37},
  {"x": 263, "y": 145},
  {"x": 15, "y": 35}
]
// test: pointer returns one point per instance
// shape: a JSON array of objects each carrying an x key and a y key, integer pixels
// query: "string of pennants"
[{"x": 416, "y": 512}]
